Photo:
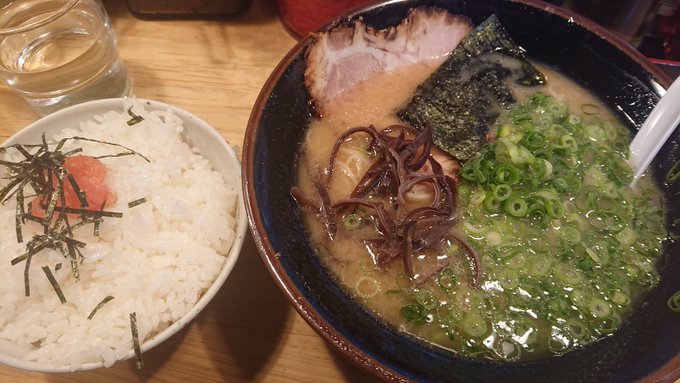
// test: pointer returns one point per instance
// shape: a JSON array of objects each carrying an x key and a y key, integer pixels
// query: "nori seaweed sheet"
[{"x": 465, "y": 95}]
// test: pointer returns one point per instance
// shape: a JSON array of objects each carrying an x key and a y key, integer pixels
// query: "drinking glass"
[{"x": 56, "y": 53}]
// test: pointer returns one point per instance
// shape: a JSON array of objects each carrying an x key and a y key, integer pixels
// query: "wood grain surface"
[{"x": 249, "y": 332}]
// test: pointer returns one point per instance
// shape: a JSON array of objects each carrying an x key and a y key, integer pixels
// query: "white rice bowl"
[{"x": 163, "y": 260}]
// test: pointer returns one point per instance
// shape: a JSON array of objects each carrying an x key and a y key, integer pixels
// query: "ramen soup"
[{"x": 548, "y": 249}]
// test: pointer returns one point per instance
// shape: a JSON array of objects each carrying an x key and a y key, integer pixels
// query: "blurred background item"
[
  {"x": 186, "y": 8},
  {"x": 302, "y": 17},
  {"x": 630, "y": 19},
  {"x": 651, "y": 26},
  {"x": 662, "y": 39}
]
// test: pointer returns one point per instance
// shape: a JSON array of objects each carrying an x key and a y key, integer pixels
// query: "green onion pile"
[{"x": 567, "y": 247}]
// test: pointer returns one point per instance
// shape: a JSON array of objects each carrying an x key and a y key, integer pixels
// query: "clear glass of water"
[{"x": 57, "y": 53}]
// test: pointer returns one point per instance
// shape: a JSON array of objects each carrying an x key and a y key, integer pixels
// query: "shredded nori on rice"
[
  {"x": 99, "y": 306},
  {"x": 139, "y": 363},
  {"x": 54, "y": 284},
  {"x": 79, "y": 192},
  {"x": 41, "y": 167},
  {"x": 136, "y": 202}
]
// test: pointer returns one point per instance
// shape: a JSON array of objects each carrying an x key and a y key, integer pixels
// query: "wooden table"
[{"x": 249, "y": 332}]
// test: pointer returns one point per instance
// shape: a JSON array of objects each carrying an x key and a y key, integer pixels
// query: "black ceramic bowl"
[{"x": 645, "y": 348}]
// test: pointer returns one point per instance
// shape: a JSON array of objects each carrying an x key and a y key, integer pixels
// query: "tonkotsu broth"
[{"x": 469, "y": 329}]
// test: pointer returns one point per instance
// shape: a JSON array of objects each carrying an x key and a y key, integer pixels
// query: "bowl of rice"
[{"x": 88, "y": 284}]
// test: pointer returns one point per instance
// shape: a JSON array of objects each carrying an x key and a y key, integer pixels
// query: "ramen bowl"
[{"x": 647, "y": 345}]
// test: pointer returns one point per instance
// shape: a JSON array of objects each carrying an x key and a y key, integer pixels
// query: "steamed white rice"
[{"x": 157, "y": 260}]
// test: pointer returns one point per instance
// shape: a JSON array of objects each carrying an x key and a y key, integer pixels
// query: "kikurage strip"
[
  {"x": 395, "y": 171},
  {"x": 27, "y": 285}
]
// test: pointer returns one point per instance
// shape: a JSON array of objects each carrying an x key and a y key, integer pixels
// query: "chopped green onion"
[
  {"x": 447, "y": 280},
  {"x": 503, "y": 130},
  {"x": 554, "y": 208},
  {"x": 609, "y": 324},
  {"x": 502, "y": 192},
  {"x": 610, "y": 130},
  {"x": 595, "y": 132},
  {"x": 568, "y": 142},
  {"x": 673, "y": 174},
  {"x": 570, "y": 241},
  {"x": 533, "y": 140},
  {"x": 579, "y": 297},
  {"x": 352, "y": 221},
  {"x": 516, "y": 207},
  {"x": 557, "y": 109},
  {"x": 474, "y": 325},
  {"x": 561, "y": 185},
  {"x": 593, "y": 255},
  {"x": 478, "y": 196},
  {"x": 599, "y": 308},
  {"x": 414, "y": 313},
  {"x": 590, "y": 109},
  {"x": 541, "y": 266},
  {"x": 367, "y": 287},
  {"x": 508, "y": 279},
  {"x": 570, "y": 234},
  {"x": 568, "y": 274},
  {"x": 576, "y": 328},
  {"x": 426, "y": 298},
  {"x": 674, "y": 302},
  {"x": 492, "y": 204},
  {"x": 506, "y": 174},
  {"x": 620, "y": 298}
]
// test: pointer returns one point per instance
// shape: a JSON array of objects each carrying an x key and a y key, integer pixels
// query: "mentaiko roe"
[{"x": 90, "y": 175}]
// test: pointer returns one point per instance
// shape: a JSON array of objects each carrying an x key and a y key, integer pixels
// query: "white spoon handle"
[{"x": 659, "y": 125}]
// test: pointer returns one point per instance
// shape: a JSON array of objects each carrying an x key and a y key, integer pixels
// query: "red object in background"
[
  {"x": 666, "y": 22},
  {"x": 669, "y": 27},
  {"x": 302, "y": 17},
  {"x": 665, "y": 32}
]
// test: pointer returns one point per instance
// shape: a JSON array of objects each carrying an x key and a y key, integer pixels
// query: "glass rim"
[{"x": 67, "y": 6}]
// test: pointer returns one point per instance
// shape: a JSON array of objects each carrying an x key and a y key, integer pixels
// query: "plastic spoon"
[{"x": 659, "y": 125}]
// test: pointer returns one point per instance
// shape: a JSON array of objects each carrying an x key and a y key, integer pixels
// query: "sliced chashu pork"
[{"x": 343, "y": 57}]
